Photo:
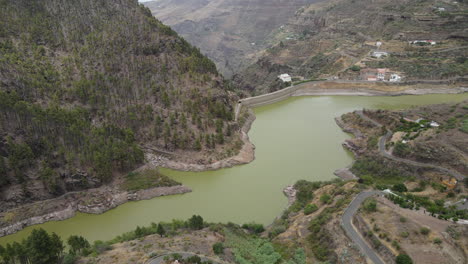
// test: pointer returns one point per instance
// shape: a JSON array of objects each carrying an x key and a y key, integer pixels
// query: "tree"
[
  {"x": 197, "y": 145},
  {"x": 218, "y": 248},
  {"x": 43, "y": 248},
  {"x": 325, "y": 198},
  {"x": 77, "y": 244},
  {"x": 160, "y": 230},
  {"x": 399, "y": 187},
  {"x": 403, "y": 259},
  {"x": 310, "y": 208},
  {"x": 3, "y": 172},
  {"x": 370, "y": 205},
  {"x": 196, "y": 222}
]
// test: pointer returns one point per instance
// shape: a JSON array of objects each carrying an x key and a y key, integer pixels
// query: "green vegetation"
[
  {"x": 147, "y": 179},
  {"x": 355, "y": 68},
  {"x": 325, "y": 198},
  {"x": 218, "y": 248},
  {"x": 403, "y": 259},
  {"x": 250, "y": 250},
  {"x": 78, "y": 245},
  {"x": 94, "y": 88},
  {"x": 399, "y": 187},
  {"x": 464, "y": 125},
  {"x": 160, "y": 230},
  {"x": 370, "y": 205},
  {"x": 424, "y": 230},
  {"x": 39, "y": 247},
  {"x": 310, "y": 208},
  {"x": 196, "y": 222},
  {"x": 436, "y": 207},
  {"x": 401, "y": 149},
  {"x": 254, "y": 228},
  {"x": 378, "y": 170}
]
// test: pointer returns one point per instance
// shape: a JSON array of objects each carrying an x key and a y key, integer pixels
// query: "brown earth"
[
  {"x": 138, "y": 251},
  {"x": 386, "y": 223}
]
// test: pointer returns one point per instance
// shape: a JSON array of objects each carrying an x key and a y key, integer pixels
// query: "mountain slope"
[
  {"x": 230, "y": 32},
  {"x": 323, "y": 40},
  {"x": 86, "y": 86}
]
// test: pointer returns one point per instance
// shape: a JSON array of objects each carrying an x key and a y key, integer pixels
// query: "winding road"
[
  {"x": 383, "y": 152},
  {"x": 347, "y": 223}
]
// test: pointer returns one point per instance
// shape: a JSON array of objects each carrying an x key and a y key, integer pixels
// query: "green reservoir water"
[{"x": 295, "y": 139}]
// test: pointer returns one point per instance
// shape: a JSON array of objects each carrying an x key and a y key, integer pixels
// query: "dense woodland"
[{"x": 85, "y": 85}]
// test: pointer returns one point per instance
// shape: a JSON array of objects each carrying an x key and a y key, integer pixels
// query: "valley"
[{"x": 166, "y": 131}]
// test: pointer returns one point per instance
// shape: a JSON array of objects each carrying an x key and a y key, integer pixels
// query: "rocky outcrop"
[
  {"x": 95, "y": 201},
  {"x": 245, "y": 155},
  {"x": 290, "y": 192}
]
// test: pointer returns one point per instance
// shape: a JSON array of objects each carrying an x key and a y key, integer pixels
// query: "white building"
[
  {"x": 434, "y": 124},
  {"x": 379, "y": 54},
  {"x": 423, "y": 41},
  {"x": 395, "y": 78},
  {"x": 285, "y": 77},
  {"x": 378, "y": 44}
]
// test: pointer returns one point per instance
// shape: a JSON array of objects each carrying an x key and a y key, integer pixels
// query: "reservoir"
[{"x": 295, "y": 139}]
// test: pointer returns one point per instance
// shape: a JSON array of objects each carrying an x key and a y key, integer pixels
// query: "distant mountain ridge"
[
  {"x": 323, "y": 40},
  {"x": 230, "y": 32}
]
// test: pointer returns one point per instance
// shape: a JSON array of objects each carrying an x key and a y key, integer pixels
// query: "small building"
[
  {"x": 434, "y": 124},
  {"x": 379, "y": 54},
  {"x": 381, "y": 74},
  {"x": 395, "y": 78},
  {"x": 378, "y": 44},
  {"x": 373, "y": 75},
  {"x": 423, "y": 42},
  {"x": 285, "y": 77}
]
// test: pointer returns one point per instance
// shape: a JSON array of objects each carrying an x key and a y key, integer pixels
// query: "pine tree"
[{"x": 160, "y": 230}]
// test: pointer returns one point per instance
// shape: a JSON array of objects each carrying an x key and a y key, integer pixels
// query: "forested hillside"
[{"x": 86, "y": 86}]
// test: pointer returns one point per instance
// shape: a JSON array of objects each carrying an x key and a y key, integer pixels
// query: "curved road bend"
[
  {"x": 346, "y": 222},
  {"x": 384, "y": 152}
]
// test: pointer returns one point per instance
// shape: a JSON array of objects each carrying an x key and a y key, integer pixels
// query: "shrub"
[
  {"x": 403, "y": 259},
  {"x": 424, "y": 230},
  {"x": 254, "y": 228},
  {"x": 437, "y": 241},
  {"x": 401, "y": 149},
  {"x": 403, "y": 219},
  {"x": 404, "y": 234},
  {"x": 399, "y": 187},
  {"x": 196, "y": 222},
  {"x": 355, "y": 68},
  {"x": 69, "y": 259},
  {"x": 325, "y": 198},
  {"x": 370, "y": 205},
  {"x": 218, "y": 248},
  {"x": 310, "y": 208}
]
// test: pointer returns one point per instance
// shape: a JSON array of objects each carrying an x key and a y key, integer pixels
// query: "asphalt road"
[{"x": 346, "y": 222}]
